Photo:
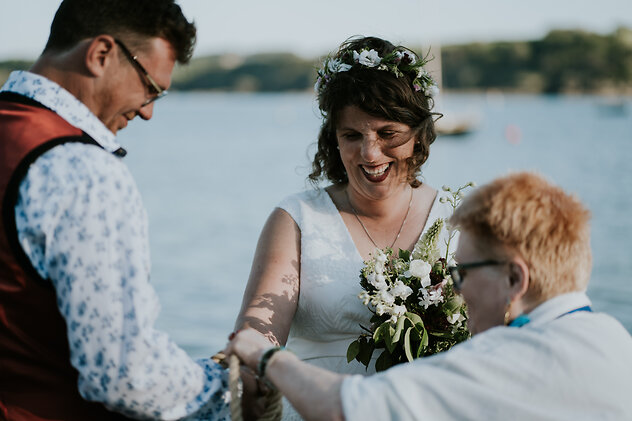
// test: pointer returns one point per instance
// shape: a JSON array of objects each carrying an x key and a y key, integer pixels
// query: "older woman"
[
  {"x": 538, "y": 352},
  {"x": 377, "y": 128}
]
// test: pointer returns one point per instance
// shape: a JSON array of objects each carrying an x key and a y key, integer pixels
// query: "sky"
[{"x": 312, "y": 28}]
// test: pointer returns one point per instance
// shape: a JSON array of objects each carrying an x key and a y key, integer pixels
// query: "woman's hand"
[{"x": 248, "y": 345}]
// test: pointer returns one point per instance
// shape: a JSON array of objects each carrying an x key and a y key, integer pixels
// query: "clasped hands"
[{"x": 251, "y": 348}]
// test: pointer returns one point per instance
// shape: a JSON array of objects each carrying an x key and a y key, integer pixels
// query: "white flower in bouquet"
[
  {"x": 398, "y": 310},
  {"x": 381, "y": 309},
  {"x": 386, "y": 297},
  {"x": 430, "y": 298},
  {"x": 379, "y": 282},
  {"x": 368, "y": 58},
  {"x": 400, "y": 290},
  {"x": 421, "y": 270},
  {"x": 380, "y": 256},
  {"x": 400, "y": 266},
  {"x": 456, "y": 318},
  {"x": 365, "y": 297}
]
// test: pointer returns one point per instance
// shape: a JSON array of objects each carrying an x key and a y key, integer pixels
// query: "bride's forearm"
[
  {"x": 314, "y": 392},
  {"x": 265, "y": 328}
]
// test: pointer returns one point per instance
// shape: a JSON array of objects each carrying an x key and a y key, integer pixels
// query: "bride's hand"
[{"x": 248, "y": 345}]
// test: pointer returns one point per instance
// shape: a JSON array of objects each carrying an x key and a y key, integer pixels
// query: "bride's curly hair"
[{"x": 377, "y": 93}]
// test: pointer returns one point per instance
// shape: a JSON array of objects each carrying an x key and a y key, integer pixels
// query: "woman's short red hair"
[{"x": 524, "y": 214}]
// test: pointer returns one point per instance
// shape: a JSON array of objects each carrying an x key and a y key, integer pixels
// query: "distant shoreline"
[{"x": 569, "y": 62}]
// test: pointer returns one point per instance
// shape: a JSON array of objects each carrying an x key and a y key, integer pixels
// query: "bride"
[{"x": 377, "y": 129}]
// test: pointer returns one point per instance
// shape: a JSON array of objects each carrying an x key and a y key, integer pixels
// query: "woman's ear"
[
  {"x": 99, "y": 54},
  {"x": 518, "y": 277}
]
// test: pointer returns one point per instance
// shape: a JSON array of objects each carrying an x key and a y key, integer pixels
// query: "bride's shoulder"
[
  {"x": 312, "y": 198},
  {"x": 308, "y": 195}
]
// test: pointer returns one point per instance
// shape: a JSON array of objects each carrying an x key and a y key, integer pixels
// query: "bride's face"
[{"x": 374, "y": 152}]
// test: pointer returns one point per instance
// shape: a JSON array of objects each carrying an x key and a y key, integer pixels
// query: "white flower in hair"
[
  {"x": 337, "y": 66},
  {"x": 404, "y": 54},
  {"x": 368, "y": 58},
  {"x": 421, "y": 73},
  {"x": 432, "y": 90}
]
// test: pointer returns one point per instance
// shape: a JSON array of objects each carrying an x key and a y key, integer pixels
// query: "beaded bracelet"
[{"x": 265, "y": 357}]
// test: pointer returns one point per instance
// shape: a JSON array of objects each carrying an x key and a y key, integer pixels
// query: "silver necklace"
[{"x": 410, "y": 202}]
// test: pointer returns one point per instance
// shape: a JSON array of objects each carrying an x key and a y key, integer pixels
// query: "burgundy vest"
[{"x": 37, "y": 381}]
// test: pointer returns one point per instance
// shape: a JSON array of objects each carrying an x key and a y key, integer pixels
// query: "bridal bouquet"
[{"x": 416, "y": 311}]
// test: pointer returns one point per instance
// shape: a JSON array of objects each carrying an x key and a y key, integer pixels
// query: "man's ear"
[
  {"x": 518, "y": 277},
  {"x": 100, "y": 53}
]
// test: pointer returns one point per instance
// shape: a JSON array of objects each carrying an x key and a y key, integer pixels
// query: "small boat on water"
[
  {"x": 455, "y": 125},
  {"x": 450, "y": 123}
]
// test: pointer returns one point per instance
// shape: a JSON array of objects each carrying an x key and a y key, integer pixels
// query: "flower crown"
[{"x": 398, "y": 62}]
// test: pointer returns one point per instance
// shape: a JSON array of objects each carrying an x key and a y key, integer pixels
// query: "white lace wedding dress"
[{"x": 329, "y": 312}]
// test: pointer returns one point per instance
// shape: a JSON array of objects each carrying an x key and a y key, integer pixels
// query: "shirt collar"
[
  {"x": 64, "y": 104},
  {"x": 557, "y": 306}
]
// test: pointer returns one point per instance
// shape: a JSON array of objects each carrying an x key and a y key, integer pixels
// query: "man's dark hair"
[{"x": 132, "y": 21}]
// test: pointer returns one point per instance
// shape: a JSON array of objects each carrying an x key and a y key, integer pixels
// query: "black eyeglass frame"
[
  {"x": 157, "y": 92},
  {"x": 457, "y": 272}
]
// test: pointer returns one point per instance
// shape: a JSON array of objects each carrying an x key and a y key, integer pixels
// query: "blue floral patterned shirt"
[{"x": 81, "y": 221}]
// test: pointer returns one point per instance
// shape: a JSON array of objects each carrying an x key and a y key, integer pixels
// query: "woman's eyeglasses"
[
  {"x": 154, "y": 89},
  {"x": 458, "y": 271}
]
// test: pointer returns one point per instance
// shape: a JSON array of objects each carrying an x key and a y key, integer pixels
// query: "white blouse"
[{"x": 558, "y": 367}]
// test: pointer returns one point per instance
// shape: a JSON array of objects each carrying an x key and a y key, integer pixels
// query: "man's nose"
[{"x": 147, "y": 111}]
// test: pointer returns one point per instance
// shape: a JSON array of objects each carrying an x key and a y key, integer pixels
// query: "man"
[
  {"x": 76, "y": 308},
  {"x": 538, "y": 351}
]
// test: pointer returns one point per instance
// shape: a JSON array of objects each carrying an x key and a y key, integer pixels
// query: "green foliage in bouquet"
[{"x": 416, "y": 311}]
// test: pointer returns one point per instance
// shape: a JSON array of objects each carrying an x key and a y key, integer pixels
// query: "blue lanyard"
[
  {"x": 584, "y": 308},
  {"x": 523, "y": 319}
]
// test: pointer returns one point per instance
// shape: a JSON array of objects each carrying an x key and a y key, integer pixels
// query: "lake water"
[{"x": 212, "y": 166}]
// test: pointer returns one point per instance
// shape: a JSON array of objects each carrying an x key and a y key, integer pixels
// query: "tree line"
[{"x": 562, "y": 61}]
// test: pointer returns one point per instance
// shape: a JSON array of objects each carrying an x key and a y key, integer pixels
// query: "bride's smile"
[{"x": 374, "y": 152}]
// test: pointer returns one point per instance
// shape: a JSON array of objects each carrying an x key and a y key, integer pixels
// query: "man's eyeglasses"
[
  {"x": 154, "y": 89},
  {"x": 458, "y": 271}
]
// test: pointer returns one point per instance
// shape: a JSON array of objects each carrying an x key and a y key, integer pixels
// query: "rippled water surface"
[{"x": 212, "y": 166}]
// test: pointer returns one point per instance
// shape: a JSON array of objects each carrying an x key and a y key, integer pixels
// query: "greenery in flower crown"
[
  {"x": 416, "y": 311},
  {"x": 399, "y": 62}
]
